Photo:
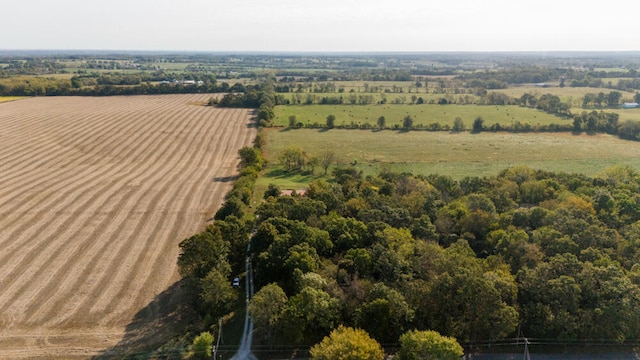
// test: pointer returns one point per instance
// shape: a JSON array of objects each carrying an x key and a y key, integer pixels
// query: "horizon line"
[{"x": 315, "y": 52}]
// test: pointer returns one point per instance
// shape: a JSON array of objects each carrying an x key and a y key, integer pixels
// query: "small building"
[
  {"x": 291, "y": 192},
  {"x": 630, "y": 105}
]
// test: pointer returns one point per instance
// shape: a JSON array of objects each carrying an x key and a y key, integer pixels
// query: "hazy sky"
[{"x": 320, "y": 25}]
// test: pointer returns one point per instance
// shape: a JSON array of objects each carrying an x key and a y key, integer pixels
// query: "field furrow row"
[{"x": 95, "y": 195}]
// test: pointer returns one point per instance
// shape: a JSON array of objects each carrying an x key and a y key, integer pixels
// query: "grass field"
[
  {"x": 97, "y": 193},
  {"x": 422, "y": 114},
  {"x": 625, "y": 114},
  {"x": 457, "y": 155},
  {"x": 10, "y": 98},
  {"x": 566, "y": 94}
]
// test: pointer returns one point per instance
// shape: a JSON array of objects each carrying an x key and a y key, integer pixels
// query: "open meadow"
[
  {"x": 95, "y": 195},
  {"x": 455, "y": 154},
  {"x": 424, "y": 114},
  {"x": 566, "y": 94}
]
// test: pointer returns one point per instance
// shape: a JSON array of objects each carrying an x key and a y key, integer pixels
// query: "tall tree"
[
  {"x": 331, "y": 119},
  {"x": 266, "y": 308},
  {"x": 407, "y": 122},
  {"x": 203, "y": 345},
  {"x": 458, "y": 124},
  {"x": 309, "y": 316},
  {"x": 292, "y": 158},
  {"x": 478, "y": 124},
  {"x": 292, "y": 121},
  {"x": 327, "y": 157},
  {"x": 613, "y": 99}
]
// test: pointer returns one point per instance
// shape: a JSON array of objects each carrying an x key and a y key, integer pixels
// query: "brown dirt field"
[{"x": 95, "y": 195}]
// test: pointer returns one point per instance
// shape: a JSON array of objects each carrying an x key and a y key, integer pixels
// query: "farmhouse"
[{"x": 630, "y": 105}]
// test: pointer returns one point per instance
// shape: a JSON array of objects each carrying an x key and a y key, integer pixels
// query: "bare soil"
[{"x": 95, "y": 195}]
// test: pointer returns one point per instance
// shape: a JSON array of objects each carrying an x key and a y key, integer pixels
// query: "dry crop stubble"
[{"x": 95, "y": 195}]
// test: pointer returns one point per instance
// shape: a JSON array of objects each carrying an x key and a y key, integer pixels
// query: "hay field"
[{"x": 95, "y": 195}]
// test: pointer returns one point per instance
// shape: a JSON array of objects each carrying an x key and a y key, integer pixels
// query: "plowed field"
[{"x": 95, "y": 195}]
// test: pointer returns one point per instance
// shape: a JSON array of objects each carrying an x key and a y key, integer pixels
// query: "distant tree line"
[
  {"x": 108, "y": 85},
  {"x": 512, "y": 75},
  {"x": 260, "y": 96}
]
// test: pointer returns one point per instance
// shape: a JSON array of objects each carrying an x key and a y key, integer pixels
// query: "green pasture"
[
  {"x": 566, "y": 94},
  {"x": 422, "y": 114},
  {"x": 454, "y": 154},
  {"x": 612, "y": 69},
  {"x": 68, "y": 75},
  {"x": 625, "y": 114}
]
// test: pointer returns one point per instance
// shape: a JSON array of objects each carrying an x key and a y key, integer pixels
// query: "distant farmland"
[{"x": 95, "y": 195}]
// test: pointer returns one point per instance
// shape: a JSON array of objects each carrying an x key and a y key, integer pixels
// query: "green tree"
[
  {"x": 217, "y": 296},
  {"x": 458, "y": 124},
  {"x": 472, "y": 299},
  {"x": 272, "y": 191},
  {"x": 309, "y": 316},
  {"x": 233, "y": 206},
  {"x": 418, "y": 345},
  {"x": 265, "y": 114},
  {"x": 266, "y": 308},
  {"x": 382, "y": 122},
  {"x": 292, "y": 121},
  {"x": 613, "y": 99},
  {"x": 292, "y": 158},
  {"x": 357, "y": 261},
  {"x": 201, "y": 253},
  {"x": 386, "y": 315},
  {"x": 516, "y": 249},
  {"x": 478, "y": 124},
  {"x": 326, "y": 159},
  {"x": 550, "y": 297},
  {"x": 203, "y": 345},
  {"x": 302, "y": 257},
  {"x": 345, "y": 343},
  {"x": 331, "y": 120},
  {"x": 250, "y": 156},
  {"x": 471, "y": 307},
  {"x": 407, "y": 122}
]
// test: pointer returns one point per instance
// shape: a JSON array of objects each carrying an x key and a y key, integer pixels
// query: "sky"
[{"x": 320, "y": 26}]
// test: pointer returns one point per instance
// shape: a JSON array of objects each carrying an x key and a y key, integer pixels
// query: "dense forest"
[{"x": 547, "y": 255}]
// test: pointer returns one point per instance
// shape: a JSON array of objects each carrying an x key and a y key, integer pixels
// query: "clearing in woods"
[{"x": 95, "y": 195}]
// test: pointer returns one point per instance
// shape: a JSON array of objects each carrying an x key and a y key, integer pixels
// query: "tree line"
[{"x": 106, "y": 86}]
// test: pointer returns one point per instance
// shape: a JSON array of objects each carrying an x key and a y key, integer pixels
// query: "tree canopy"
[{"x": 552, "y": 254}]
